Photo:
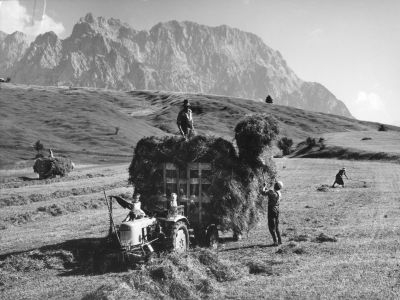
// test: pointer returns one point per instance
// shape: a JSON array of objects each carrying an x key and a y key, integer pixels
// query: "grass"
[
  {"x": 81, "y": 123},
  {"x": 379, "y": 146},
  {"x": 362, "y": 263},
  {"x": 337, "y": 242}
]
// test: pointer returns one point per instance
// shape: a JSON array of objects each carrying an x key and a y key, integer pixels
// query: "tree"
[
  {"x": 285, "y": 144},
  {"x": 269, "y": 99},
  {"x": 382, "y": 128},
  {"x": 38, "y": 147},
  {"x": 310, "y": 142}
]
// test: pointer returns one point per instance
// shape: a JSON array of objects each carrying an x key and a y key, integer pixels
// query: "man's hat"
[
  {"x": 343, "y": 168},
  {"x": 186, "y": 102},
  {"x": 278, "y": 185}
]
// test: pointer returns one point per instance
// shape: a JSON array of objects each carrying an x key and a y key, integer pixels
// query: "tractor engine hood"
[{"x": 134, "y": 233}]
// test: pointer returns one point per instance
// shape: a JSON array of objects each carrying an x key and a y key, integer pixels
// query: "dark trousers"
[{"x": 273, "y": 226}]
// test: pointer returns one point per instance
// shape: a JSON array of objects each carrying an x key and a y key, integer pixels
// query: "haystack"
[
  {"x": 49, "y": 167},
  {"x": 236, "y": 180}
]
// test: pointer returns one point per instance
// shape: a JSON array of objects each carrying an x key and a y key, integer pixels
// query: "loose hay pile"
[
  {"x": 52, "y": 166},
  {"x": 323, "y": 188},
  {"x": 236, "y": 179},
  {"x": 174, "y": 276}
]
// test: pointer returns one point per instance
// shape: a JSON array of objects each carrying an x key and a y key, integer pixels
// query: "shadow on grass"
[
  {"x": 248, "y": 247},
  {"x": 25, "y": 178},
  {"x": 73, "y": 257}
]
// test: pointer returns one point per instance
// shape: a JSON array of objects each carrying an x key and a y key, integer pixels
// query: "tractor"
[{"x": 170, "y": 227}]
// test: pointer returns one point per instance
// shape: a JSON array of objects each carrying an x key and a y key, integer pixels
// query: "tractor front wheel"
[{"x": 180, "y": 237}]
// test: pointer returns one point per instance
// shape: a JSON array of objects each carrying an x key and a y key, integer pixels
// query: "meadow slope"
[
  {"x": 81, "y": 122},
  {"x": 337, "y": 242}
]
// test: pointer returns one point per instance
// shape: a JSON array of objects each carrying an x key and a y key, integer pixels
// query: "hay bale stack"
[
  {"x": 236, "y": 180},
  {"x": 49, "y": 167},
  {"x": 254, "y": 135}
]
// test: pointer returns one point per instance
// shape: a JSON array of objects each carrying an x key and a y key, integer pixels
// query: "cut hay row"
[
  {"x": 236, "y": 179},
  {"x": 18, "y": 182},
  {"x": 51, "y": 210},
  {"x": 18, "y": 200}
]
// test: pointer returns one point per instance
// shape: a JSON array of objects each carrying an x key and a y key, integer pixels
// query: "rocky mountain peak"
[
  {"x": 47, "y": 39},
  {"x": 91, "y": 26},
  {"x": 174, "y": 56},
  {"x": 2, "y": 35},
  {"x": 12, "y": 48}
]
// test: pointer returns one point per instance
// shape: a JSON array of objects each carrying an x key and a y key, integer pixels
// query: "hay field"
[
  {"x": 369, "y": 141},
  {"x": 81, "y": 122},
  {"x": 356, "y": 145},
  {"x": 338, "y": 243},
  {"x": 39, "y": 257}
]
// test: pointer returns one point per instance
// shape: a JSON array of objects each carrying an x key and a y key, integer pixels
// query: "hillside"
[
  {"x": 172, "y": 56},
  {"x": 81, "y": 122},
  {"x": 358, "y": 145}
]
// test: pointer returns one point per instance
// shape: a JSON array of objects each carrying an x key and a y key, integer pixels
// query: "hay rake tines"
[{"x": 112, "y": 225}]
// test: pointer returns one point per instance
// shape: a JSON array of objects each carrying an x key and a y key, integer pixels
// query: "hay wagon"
[{"x": 191, "y": 184}]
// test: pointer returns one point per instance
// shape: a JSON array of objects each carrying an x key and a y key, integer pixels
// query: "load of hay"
[
  {"x": 49, "y": 167},
  {"x": 237, "y": 178}
]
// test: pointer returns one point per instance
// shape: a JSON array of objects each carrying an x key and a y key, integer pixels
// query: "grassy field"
[
  {"x": 338, "y": 242},
  {"x": 81, "y": 122},
  {"x": 356, "y": 145},
  {"x": 37, "y": 257},
  {"x": 369, "y": 141}
]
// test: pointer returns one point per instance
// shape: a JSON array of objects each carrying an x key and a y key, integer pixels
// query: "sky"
[{"x": 352, "y": 47}]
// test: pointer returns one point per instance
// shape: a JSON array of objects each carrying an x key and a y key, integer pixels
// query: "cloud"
[
  {"x": 316, "y": 32},
  {"x": 14, "y": 16},
  {"x": 369, "y": 106}
]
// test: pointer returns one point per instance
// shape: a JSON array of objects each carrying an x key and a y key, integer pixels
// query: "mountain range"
[{"x": 171, "y": 56}]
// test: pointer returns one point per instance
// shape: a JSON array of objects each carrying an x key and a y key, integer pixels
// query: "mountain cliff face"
[
  {"x": 12, "y": 47},
  {"x": 173, "y": 56}
]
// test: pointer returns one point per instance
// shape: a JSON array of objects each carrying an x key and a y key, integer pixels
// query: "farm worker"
[
  {"x": 136, "y": 211},
  {"x": 274, "y": 196},
  {"x": 185, "y": 120},
  {"x": 339, "y": 177},
  {"x": 51, "y": 155},
  {"x": 174, "y": 200}
]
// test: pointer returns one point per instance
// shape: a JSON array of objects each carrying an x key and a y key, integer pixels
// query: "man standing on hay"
[
  {"x": 274, "y": 195},
  {"x": 185, "y": 121}
]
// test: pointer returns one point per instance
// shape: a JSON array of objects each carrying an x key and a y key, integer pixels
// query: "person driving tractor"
[{"x": 136, "y": 211}]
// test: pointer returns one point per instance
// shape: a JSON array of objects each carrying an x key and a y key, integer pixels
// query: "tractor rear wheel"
[{"x": 180, "y": 237}]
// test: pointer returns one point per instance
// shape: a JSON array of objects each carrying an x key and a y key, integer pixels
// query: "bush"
[
  {"x": 382, "y": 128},
  {"x": 285, "y": 144},
  {"x": 321, "y": 143},
  {"x": 38, "y": 147},
  {"x": 310, "y": 142}
]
